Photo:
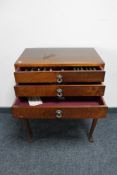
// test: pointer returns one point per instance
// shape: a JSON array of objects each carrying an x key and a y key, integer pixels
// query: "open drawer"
[
  {"x": 60, "y": 90},
  {"x": 68, "y": 108},
  {"x": 59, "y": 75}
]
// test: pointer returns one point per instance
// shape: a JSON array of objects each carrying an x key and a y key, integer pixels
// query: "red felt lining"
[{"x": 67, "y": 102}]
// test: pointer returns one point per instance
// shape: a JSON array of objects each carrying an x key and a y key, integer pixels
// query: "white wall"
[{"x": 57, "y": 23}]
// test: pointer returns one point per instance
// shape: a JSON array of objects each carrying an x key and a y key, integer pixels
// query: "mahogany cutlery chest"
[{"x": 69, "y": 82}]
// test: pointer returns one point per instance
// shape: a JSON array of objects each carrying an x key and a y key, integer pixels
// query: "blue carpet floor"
[{"x": 58, "y": 147}]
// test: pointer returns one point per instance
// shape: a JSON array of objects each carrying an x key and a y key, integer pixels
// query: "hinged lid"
[{"x": 34, "y": 57}]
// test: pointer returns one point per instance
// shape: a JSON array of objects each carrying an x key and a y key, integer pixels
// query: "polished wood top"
[{"x": 34, "y": 57}]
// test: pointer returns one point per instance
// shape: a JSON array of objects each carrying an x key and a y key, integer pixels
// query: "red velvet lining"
[{"x": 61, "y": 103}]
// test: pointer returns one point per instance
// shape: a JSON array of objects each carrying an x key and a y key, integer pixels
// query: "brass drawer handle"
[
  {"x": 59, "y": 78},
  {"x": 59, "y": 114},
  {"x": 59, "y": 92}
]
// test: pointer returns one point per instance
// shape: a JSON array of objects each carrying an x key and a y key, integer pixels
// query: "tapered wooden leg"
[
  {"x": 90, "y": 135},
  {"x": 28, "y": 127}
]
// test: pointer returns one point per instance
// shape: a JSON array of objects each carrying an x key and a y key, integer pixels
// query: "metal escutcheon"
[
  {"x": 59, "y": 92},
  {"x": 59, "y": 114},
  {"x": 59, "y": 78}
]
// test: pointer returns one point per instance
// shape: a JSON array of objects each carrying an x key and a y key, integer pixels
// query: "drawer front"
[
  {"x": 59, "y": 90},
  {"x": 59, "y": 77},
  {"x": 59, "y": 111}
]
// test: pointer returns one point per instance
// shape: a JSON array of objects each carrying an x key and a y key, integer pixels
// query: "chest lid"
[{"x": 51, "y": 57}]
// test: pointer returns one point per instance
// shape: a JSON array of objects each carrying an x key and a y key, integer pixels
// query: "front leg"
[
  {"x": 28, "y": 128},
  {"x": 90, "y": 135}
]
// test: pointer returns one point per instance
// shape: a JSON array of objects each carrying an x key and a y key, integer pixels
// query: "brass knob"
[
  {"x": 59, "y": 114},
  {"x": 59, "y": 92},
  {"x": 59, "y": 78}
]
